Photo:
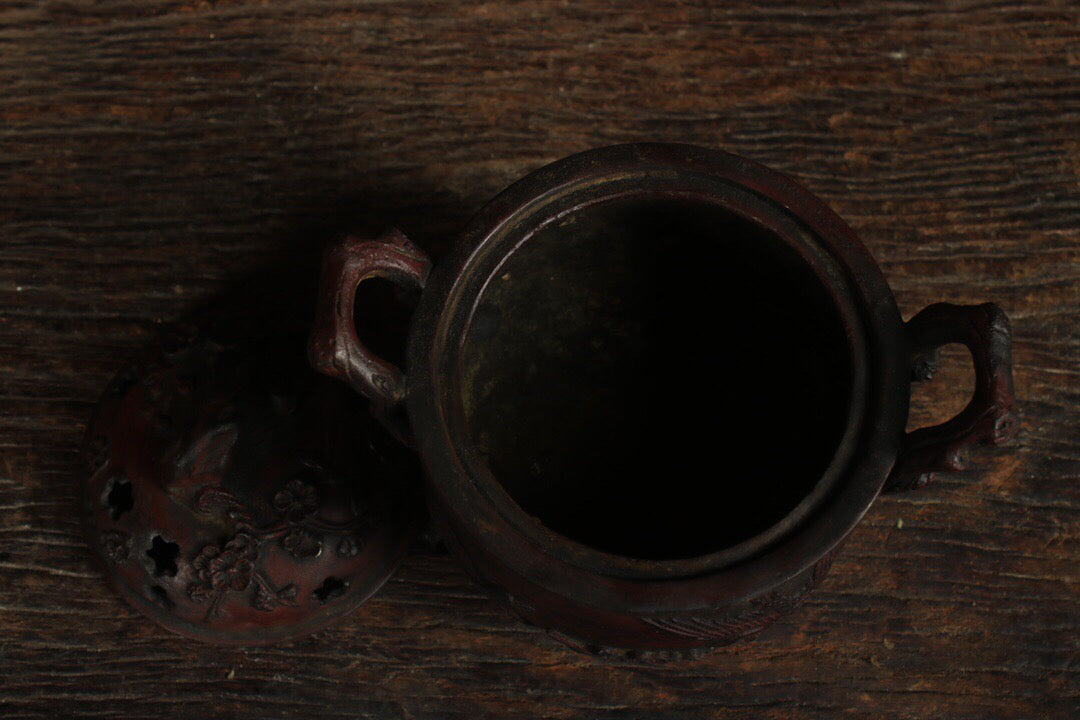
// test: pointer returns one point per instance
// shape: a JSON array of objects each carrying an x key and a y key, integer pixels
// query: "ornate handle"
[
  {"x": 334, "y": 347},
  {"x": 990, "y": 416}
]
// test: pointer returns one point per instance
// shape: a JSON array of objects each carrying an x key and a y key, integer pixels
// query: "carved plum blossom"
[
  {"x": 116, "y": 544},
  {"x": 233, "y": 567},
  {"x": 297, "y": 501},
  {"x": 302, "y": 543},
  {"x": 348, "y": 546},
  {"x": 222, "y": 570}
]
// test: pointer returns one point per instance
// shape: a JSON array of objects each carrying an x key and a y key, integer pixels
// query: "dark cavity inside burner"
[{"x": 658, "y": 379}]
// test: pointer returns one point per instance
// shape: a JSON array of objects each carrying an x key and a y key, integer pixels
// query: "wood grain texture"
[{"x": 156, "y": 154}]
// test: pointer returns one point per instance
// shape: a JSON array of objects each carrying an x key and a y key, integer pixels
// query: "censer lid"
[{"x": 234, "y": 496}]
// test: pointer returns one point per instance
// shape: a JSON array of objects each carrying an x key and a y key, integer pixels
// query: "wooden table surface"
[{"x": 154, "y": 154}]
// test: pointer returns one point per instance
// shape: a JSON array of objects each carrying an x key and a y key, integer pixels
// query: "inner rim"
[{"x": 656, "y": 378}]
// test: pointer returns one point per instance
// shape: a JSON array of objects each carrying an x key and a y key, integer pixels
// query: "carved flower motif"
[
  {"x": 228, "y": 568},
  {"x": 116, "y": 544},
  {"x": 349, "y": 546},
  {"x": 302, "y": 543},
  {"x": 297, "y": 501},
  {"x": 244, "y": 544}
]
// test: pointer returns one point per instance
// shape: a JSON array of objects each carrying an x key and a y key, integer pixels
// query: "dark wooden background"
[{"x": 156, "y": 154}]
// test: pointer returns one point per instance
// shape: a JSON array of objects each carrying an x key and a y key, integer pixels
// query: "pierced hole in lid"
[
  {"x": 164, "y": 554},
  {"x": 120, "y": 499},
  {"x": 330, "y": 589}
]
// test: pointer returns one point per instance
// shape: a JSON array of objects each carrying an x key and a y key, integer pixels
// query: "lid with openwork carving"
[{"x": 235, "y": 497}]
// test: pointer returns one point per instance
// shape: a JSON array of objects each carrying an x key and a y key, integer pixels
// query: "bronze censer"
[{"x": 653, "y": 389}]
